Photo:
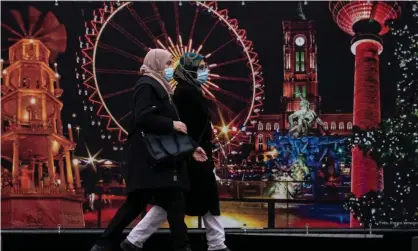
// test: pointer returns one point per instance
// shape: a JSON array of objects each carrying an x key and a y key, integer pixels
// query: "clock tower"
[{"x": 300, "y": 63}]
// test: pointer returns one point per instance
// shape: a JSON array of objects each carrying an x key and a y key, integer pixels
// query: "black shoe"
[
  {"x": 98, "y": 247},
  {"x": 128, "y": 246}
]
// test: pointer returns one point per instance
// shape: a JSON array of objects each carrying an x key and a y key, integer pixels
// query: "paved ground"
[{"x": 237, "y": 242}]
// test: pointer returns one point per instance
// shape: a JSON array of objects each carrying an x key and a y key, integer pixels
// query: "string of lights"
[{"x": 394, "y": 144}]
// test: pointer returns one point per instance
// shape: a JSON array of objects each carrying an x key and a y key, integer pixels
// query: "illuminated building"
[
  {"x": 300, "y": 75},
  {"x": 32, "y": 133}
]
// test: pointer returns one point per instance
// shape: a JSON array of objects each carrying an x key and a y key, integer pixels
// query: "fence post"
[
  {"x": 99, "y": 210},
  {"x": 271, "y": 210}
]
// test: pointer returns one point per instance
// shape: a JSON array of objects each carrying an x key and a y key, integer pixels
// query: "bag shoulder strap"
[{"x": 204, "y": 130}]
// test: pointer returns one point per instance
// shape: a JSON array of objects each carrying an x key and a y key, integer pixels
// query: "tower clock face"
[{"x": 299, "y": 41}]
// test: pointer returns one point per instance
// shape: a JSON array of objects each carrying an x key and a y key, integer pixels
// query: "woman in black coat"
[
  {"x": 165, "y": 182},
  {"x": 202, "y": 199}
]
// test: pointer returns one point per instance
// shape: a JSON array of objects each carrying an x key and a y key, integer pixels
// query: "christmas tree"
[{"x": 394, "y": 144}]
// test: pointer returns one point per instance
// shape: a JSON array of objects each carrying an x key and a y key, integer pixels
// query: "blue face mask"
[
  {"x": 169, "y": 72},
  {"x": 202, "y": 76}
]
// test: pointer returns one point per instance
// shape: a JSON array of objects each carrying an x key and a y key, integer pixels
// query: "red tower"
[{"x": 366, "y": 21}]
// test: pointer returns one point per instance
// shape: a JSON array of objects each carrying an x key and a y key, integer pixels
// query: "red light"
[{"x": 234, "y": 129}]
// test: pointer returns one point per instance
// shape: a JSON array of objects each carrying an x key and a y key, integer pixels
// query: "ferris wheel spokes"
[
  {"x": 120, "y": 52},
  {"x": 117, "y": 71},
  {"x": 160, "y": 20},
  {"x": 142, "y": 22},
  {"x": 216, "y": 76},
  {"x": 220, "y": 47},
  {"x": 128, "y": 35},
  {"x": 117, "y": 93},
  {"x": 213, "y": 66},
  {"x": 215, "y": 89}
]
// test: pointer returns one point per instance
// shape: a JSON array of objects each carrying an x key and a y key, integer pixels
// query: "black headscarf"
[{"x": 187, "y": 68}]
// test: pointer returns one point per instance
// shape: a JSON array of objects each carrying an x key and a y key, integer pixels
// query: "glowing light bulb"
[
  {"x": 76, "y": 162},
  {"x": 225, "y": 129},
  {"x": 32, "y": 100}
]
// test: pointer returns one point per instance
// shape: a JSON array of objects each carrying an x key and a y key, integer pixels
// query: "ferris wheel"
[{"x": 121, "y": 33}]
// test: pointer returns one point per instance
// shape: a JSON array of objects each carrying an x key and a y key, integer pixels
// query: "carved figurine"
[{"x": 302, "y": 121}]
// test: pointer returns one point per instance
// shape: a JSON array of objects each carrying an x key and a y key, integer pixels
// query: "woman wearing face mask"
[
  {"x": 165, "y": 182},
  {"x": 202, "y": 199}
]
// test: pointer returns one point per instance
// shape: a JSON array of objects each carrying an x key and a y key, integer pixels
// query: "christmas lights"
[{"x": 394, "y": 144}]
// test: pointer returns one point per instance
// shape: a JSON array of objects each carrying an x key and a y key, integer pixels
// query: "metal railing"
[
  {"x": 35, "y": 127},
  {"x": 240, "y": 194},
  {"x": 17, "y": 190}
]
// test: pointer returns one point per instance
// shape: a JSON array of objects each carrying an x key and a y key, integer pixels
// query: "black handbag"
[{"x": 162, "y": 148}]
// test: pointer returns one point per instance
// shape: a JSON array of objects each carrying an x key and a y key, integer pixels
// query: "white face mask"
[
  {"x": 202, "y": 76},
  {"x": 168, "y": 73}
]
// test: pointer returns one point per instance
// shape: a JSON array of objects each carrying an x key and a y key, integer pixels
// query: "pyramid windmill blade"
[
  {"x": 19, "y": 20},
  {"x": 56, "y": 40},
  {"x": 34, "y": 15},
  {"x": 49, "y": 23},
  {"x": 11, "y": 30},
  {"x": 52, "y": 56},
  {"x": 58, "y": 33},
  {"x": 56, "y": 45}
]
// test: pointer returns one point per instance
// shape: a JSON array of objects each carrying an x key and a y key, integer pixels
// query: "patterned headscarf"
[
  {"x": 154, "y": 66},
  {"x": 187, "y": 68}
]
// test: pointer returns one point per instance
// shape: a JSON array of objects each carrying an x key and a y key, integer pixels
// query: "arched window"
[
  {"x": 341, "y": 126},
  {"x": 268, "y": 127},
  {"x": 260, "y": 126},
  {"x": 260, "y": 142},
  {"x": 326, "y": 125},
  {"x": 276, "y": 126},
  {"x": 349, "y": 126},
  {"x": 333, "y": 126}
]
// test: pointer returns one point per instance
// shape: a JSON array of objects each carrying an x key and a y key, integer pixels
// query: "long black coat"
[
  {"x": 152, "y": 113},
  {"x": 193, "y": 110}
]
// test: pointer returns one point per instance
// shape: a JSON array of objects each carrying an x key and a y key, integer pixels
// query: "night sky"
[{"x": 262, "y": 21}]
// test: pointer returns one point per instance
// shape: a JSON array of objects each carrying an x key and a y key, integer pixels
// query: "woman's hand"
[
  {"x": 200, "y": 155},
  {"x": 180, "y": 127}
]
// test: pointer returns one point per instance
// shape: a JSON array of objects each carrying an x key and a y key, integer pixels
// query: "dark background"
[{"x": 262, "y": 21}]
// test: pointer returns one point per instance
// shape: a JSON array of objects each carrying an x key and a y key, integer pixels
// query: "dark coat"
[
  {"x": 193, "y": 110},
  {"x": 152, "y": 113}
]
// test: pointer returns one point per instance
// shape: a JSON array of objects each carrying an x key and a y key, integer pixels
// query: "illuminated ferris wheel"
[{"x": 119, "y": 36}]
